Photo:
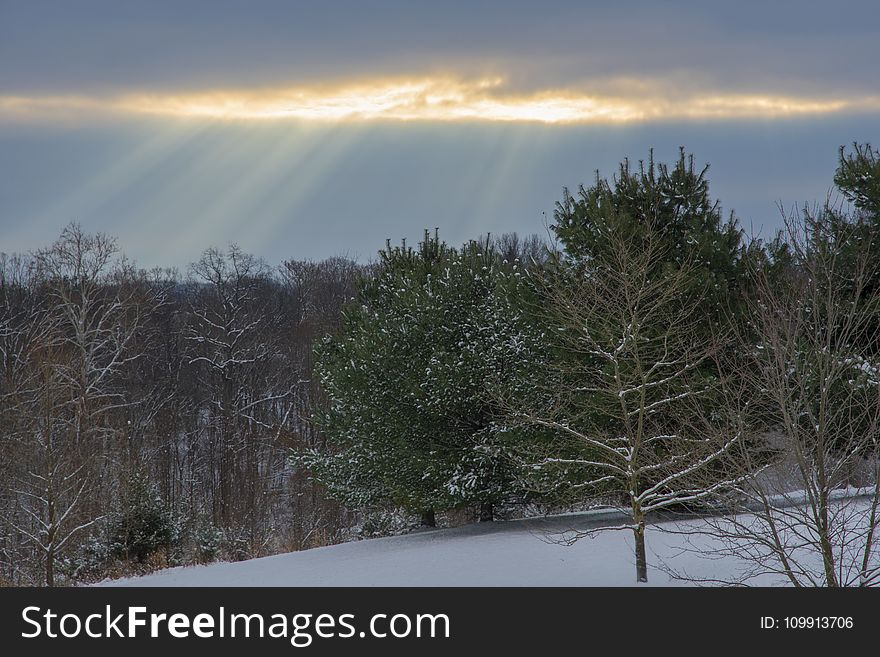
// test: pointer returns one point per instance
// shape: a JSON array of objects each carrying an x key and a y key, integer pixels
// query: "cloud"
[
  {"x": 105, "y": 46},
  {"x": 441, "y": 99}
]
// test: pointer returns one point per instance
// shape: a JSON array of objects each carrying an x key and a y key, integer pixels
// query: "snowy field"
[{"x": 515, "y": 553}]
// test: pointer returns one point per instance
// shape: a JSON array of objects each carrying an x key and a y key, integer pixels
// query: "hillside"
[{"x": 514, "y": 553}]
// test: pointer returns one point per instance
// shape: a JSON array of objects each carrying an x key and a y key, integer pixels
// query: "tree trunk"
[
  {"x": 825, "y": 541},
  {"x": 641, "y": 557},
  {"x": 50, "y": 567},
  {"x": 428, "y": 518},
  {"x": 51, "y": 530},
  {"x": 487, "y": 512}
]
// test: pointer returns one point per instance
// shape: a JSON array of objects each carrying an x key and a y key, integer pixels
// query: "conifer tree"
[
  {"x": 653, "y": 200},
  {"x": 412, "y": 380},
  {"x": 858, "y": 178}
]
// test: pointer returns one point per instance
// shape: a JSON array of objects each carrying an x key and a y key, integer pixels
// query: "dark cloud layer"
[{"x": 95, "y": 45}]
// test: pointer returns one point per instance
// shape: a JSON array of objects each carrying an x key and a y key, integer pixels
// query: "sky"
[{"x": 312, "y": 129}]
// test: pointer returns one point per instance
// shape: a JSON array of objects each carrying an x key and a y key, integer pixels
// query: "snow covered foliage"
[
  {"x": 413, "y": 379},
  {"x": 858, "y": 178},
  {"x": 145, "y": 525},
  {"x": 655, "y": 362},
  {"x": 674, "y": 207}
]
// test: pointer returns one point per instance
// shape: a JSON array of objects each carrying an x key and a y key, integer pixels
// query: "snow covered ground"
[{"x": 515, "y": 553}]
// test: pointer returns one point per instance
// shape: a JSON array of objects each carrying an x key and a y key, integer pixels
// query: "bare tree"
[
  {"x": 318, "y": 290},
  {"x": 635, "y": 354},
  {"x": 27, "y": 333},
  {"x": 315, "y": 293},
  {"x": 100, "y": 314},
  {"x": 79, "y": 340},
  {"x": 806, "y": 384},
  {"x": 530, "y": 250},
  {"x": 42, "y": 467},
  {"x": 249, "y": 390},
  {"x": 44, "y": 471}
]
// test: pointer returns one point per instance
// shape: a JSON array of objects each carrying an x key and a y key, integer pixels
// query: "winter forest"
[{"x": 645, "y": 355}]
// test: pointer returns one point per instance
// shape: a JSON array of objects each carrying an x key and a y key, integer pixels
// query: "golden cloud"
[{"x": 438, "y": 99}]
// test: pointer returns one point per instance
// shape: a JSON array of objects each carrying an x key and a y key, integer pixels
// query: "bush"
[
  {"x": 144, "y": 527},
  {"x": 207, "y": 539}
]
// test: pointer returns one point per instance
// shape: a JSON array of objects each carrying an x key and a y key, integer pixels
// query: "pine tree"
[
  {"x": 858, "y": 179},
  {"x": 413, "y": 380},
  {"x": 657, "y": 200}
]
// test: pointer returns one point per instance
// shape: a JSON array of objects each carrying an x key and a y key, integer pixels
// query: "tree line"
[
  {"x": 647, "y": 356},
  {"x": 146, "y": 417}
]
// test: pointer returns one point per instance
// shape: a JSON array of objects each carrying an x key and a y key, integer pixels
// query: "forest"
[{"x": 646, "y": 354}]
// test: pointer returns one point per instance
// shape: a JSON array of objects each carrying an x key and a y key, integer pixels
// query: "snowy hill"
[{"x": 515, "y": 553}]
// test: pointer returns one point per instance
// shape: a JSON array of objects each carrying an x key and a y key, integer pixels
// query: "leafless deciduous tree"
[
  {"x": 71, "y": 352},
  {"x": 635, "y": 355},
  {"x": 529, "y": 250},
  {"x": 28, "y": 333},
  {"x": 807, "y": 382},
  {"x": 315, "y": 293},
  {"x": 233, "y": 329}
]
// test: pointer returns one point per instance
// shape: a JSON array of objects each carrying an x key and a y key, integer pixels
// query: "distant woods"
[
  {"x": 648, "y": 356},
  {"x": 146, "y": 418}
]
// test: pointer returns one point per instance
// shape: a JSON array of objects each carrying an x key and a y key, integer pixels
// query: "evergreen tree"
[
  {"x": 655, "y": 199},
  {"x": 858, "y": 178},
  {"x": 666, "y": 211},
  {"x": 414, "y": 377}
]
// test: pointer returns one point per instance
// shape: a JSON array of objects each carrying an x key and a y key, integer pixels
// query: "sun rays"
[{"x": 251, "y": 164}]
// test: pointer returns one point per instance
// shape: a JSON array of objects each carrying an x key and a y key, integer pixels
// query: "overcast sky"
[{"x": 308, "y": 129}]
